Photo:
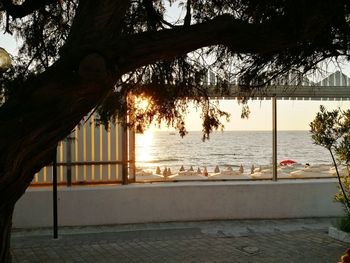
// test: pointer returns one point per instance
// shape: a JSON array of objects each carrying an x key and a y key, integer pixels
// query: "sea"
[{"x": 228, "y": 148}]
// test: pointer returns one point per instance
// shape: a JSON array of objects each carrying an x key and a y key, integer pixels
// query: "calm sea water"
[{"x": 228, "y": 148}]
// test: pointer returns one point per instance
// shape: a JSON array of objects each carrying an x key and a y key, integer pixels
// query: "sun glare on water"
[{"x": 144, "y": 144}]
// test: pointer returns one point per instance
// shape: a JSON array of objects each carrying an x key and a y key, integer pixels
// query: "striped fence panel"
[{"x": 90, "y": 154}]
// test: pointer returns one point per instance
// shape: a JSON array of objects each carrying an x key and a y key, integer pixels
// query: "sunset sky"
[{"x": 291, "y": 115}]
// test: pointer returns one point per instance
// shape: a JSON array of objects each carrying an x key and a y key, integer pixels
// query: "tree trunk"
[
  {"x": 32, "y": 124},
  {"x": 5, "y": 234},
  {"x": 46, "y": 108}
]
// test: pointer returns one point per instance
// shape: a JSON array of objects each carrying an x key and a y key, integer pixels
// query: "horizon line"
[{"x": 225, "y": 130}]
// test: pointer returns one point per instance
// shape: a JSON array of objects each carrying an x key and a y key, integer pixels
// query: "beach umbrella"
[
  {"x": 205, "y": 171},
  {"x": 216, "y": 170},
  {"x": 252, "y": 169},
  {"x": 287, "y": 162},
  {"x": 241, "y": 169}
]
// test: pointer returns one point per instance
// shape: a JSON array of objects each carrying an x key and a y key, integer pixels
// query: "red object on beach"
[{"x": 287, "y": 162}]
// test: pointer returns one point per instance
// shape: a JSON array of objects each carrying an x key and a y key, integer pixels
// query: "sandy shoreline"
[{"x": 262, "y": 172}]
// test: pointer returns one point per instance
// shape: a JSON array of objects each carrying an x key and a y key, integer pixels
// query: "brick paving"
[{"x": 299, "y": 240}]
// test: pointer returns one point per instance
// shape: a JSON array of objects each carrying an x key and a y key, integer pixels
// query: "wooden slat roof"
[{"x": 335, "y": 87}]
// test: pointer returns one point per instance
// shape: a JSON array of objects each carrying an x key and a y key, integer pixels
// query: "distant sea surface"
[{"x": 228, "y": 148}]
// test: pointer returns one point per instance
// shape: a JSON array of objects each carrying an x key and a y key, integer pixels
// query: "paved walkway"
[{"x": 294, "y": 241}]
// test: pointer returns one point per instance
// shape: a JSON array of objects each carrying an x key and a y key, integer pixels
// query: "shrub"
[{"x": 331, "y": 129}]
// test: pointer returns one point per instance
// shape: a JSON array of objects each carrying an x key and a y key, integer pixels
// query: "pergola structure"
[{"x": 335, "y": 87}]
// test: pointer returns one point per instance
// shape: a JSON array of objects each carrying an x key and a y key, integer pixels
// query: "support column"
[
  {"x": 54, "y": 195},
  {"x": 69, "y": 160},
  {"x": 274, "y": 138},
  {"x": 131, "y": 140},
  {"x": 123, "y": 150},
  {"x": 124, "y": 155},
  {"x": 132, "y": 166}
]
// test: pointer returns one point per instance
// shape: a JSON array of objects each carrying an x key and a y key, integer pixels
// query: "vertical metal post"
[
  {"x": 274, "y": 138},
  {"x": 131, "y": 141},
  {"x": 124, "y": 155},
  {"x": 124, "y": 141},
  {"x": 132, "y": 167},
  {"x": 69, "y": 160},
  {"x": 54, "y": 191}
]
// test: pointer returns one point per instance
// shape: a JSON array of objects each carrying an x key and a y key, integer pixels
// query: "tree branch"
[
  {"x": 28, "y": 7},
  {"x": 96, "y": 21},
  {"x": 188, "y": 17},
  {"x": 240, "y": 37},
  {"x": 155, "y": 18}
]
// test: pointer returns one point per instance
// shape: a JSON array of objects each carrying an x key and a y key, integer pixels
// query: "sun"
[{"x": 142, "y": 103}]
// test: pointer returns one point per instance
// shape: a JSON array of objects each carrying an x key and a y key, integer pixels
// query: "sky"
[{"x": 292, "y": 115}]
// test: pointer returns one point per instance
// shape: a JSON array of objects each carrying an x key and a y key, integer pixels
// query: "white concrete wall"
[{"x": 95, "y": 205}]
